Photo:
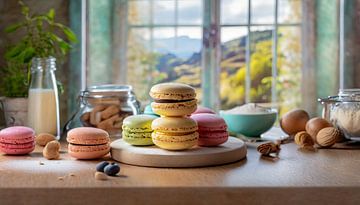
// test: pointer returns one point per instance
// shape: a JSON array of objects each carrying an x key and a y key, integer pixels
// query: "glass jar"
[
  {"x": 343, "y": 111},
  {"x": 43, "y": 101},
  {"x": 105, "y": 107}
]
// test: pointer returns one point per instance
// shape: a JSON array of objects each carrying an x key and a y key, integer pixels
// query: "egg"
[
  {"x": 314, "y": 125},
  {"x": 294, "y": 121}
]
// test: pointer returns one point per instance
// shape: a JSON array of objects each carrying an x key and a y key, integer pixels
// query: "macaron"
[
  {"x": 88, "y": 143},
  {"x": 201, "y": 109},
  {"x": 137, "y": 129},
  {"x": 173, "y": 99},
  {"x": 212, "y": 129},
  {"x": 17, "y": 140},
  {"x": 149, "y": 111},
  {"x": 174, "y": 133}
]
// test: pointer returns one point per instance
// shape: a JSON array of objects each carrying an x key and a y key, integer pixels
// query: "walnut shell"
[
  {"x": 43, "y": 138},
  {"x": 267, "y": 148},
  {"x": 303, "y": 139},
  {"x": 327, "y": 137}
]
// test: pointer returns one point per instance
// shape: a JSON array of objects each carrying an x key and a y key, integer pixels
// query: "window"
[{"x": 143, "y": 42}]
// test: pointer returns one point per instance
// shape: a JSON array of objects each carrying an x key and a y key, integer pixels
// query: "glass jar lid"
[
  {"x": 344, "y": 95},
  {"x": 108, "y": 91}
]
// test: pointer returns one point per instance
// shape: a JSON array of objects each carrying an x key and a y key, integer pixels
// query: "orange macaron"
[{"x": 88, "y": 143}]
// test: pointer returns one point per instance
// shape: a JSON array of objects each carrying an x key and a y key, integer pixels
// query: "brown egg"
[
  {"x": 314, "y": 125},
  {"x": 294, "y": 121}
]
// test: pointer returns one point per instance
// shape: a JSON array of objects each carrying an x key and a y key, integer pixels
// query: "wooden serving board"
[{"x": 151, "y": 156}]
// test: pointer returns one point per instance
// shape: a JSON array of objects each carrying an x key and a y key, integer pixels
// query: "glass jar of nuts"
[{"x": 105, "y": 107}]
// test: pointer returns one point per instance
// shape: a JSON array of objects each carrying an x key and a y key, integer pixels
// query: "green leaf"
[
  {"x": 13, "y": 27},
  {"x": 51, "y": 14},
  {"x": 24, "y": 9},
  {"x": 70, "y": 34},
  {"x": 14, "y": 51}
]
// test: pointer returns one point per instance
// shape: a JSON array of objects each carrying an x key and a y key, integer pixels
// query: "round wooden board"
[{"x": 151, "y": 156}]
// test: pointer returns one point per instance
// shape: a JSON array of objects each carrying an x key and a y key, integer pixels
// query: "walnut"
[
  {"x": 327, "y": 137},
  {"x": 268, "y": 148},
  {"x": 303, "y": 139}
]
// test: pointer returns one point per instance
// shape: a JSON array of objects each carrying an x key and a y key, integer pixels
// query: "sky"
[{"x": 190, "y": 12}]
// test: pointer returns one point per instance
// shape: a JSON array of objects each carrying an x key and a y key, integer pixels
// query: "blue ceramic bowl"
[{"x": 250, "y": 125}]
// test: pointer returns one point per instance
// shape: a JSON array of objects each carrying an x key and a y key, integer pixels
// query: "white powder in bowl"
[
  {"x": 249, "y": 108},
  {"x": 347, "y": 117}
]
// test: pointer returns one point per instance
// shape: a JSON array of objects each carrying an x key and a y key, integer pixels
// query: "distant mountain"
[
  {"x": 188, "y": 53},
  {"x": 182, "y": 46}
]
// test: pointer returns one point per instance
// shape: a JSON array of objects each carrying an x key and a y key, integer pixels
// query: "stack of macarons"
[
  {"x": 174, "y": 102},
  {"x": 17, "y": 140},
  {"x": 137, "y": 129},
  {"x": 212, "y": 129},
  {"x": 88, "y": 143}
]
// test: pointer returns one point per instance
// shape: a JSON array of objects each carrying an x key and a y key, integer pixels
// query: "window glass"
[
  {"x": 289, "y": 11},
  {"x": 289, "y": 68},
  {"x": 139, "y": 12},
  {"x": 263, "y": 11},
  {"x": 234, "y": 11},
  {"x": 233, "y": 66},
  {"x": 163, "y": 11},
  {"x": 261, "y": 64},
  {"x": 190, "y": 12}
]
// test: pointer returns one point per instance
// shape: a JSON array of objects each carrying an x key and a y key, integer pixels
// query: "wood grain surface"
[
  {"x": 326, "y": 176},
  {"x": 152, "y": 156}
]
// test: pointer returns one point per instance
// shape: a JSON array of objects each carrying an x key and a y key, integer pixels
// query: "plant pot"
[{"x": 15, "y": 110}]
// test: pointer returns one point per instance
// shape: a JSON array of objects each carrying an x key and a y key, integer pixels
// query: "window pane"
[
  {"x": 139, "y": 12},
  {"x": 233, "y": 66},
  {"x": 163, "y": 11},
  {"x": 172, "y": 56},
  {"x": 140, "y": 61},
  {"x": 178, "y": 56},
  {"x": 261, "y": 64},
  {"x": 262, "y": 11},
  {"x": 190, "y": 12},
  {"x": 289, "y": 68},
  {"x": 289, "y": 11},
  {"x": 234, "y": 11}
]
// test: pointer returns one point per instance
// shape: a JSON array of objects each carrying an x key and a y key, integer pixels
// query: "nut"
[
  {"x": 100, "y": 176},
  {"x": 327, "y": 137},
  {"x": 51, "y": 150},
  {"x": 267, "y": 148},
  {"x": 303, "y": 139},
  {"x": 43, "y": 138}
]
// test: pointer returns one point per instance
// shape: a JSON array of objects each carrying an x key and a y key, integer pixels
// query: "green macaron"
[{"x": 137, "y": 129}]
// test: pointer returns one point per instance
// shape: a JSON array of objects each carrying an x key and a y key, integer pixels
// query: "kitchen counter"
[{"x": 328, "y": 176}]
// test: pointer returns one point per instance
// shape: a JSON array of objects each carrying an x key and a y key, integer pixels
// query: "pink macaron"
[
  {"x": 212, "y": 129},
  {"x": 201, "y": 109},
  {"x": 17, "y": 140}
]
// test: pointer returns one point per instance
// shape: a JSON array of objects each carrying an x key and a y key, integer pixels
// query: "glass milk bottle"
[{"x": 43, "y": 105}]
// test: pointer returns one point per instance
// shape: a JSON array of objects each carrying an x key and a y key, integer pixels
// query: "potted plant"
[{"x": 40, "y": 39}]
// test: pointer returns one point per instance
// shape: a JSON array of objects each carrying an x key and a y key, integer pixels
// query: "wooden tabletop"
[{"x": 327, "y": 176}]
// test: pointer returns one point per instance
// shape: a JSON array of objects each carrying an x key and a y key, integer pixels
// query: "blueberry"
[
  {"x": 100, "y": 167},
  {"x": 112, "y": 169}
]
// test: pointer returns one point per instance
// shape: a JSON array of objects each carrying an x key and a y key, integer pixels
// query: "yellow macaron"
[
  {"x": 175, "y": 133},
  {"x": 173, "y": 99}
]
